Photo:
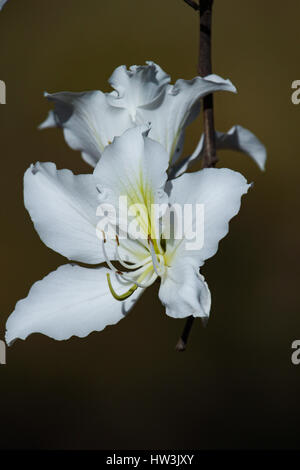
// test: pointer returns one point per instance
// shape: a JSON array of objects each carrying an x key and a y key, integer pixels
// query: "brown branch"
[
  {"x": 192, "y": 4},
  {"x": 182, "y": 342},
  {"x": 205, "y": 68},
  {"x": 209, "y": 151}
]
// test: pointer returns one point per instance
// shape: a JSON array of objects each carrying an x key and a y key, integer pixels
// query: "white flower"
[
  {"x": 76, "y": 300},
  {"x": 141, "y": 95},
  {"x": 237, "y": 138}
]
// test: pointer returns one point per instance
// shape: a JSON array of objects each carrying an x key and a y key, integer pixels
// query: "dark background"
[{"x": 235, "y": 387}]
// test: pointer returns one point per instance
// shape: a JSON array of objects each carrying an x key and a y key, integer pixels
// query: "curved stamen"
[
  {"x": 127, "y": 265},
  {"x": 133, "y": 265},
  {"x": 121, "y": 273},
  {"x": 156, "y": 266},
  {"x": 149, "y": 282},
  {"x": 143, "y": 273},
  {"x": 132, "y": 289},
  {"x": 108, "y": 262},
  {"x": 137, "y": 277},
  {"x": 121, "y": 296}
]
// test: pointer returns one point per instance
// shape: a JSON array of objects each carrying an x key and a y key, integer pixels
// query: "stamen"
[
  {"x": 163, "y": 244},
  {"x": 140, "y": 274},
  {"x": 104, "y": 237},
  {"x": 148, "y": 283},
  {"x": 156, "y": 266},
  {"x": 141, "y": 271},
  {"x": 122, "y": 296},
  {"x": 109, "y": 263},
  {"x": 133, "y": 265},
  {"x": 143, "y": 285},
  {"x": 120, "y": 273}
]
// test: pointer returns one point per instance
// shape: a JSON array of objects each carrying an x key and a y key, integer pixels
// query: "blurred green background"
[{"x": 124, "y": 388}]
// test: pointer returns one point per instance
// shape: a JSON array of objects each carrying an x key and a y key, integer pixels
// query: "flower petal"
[
  {"x": 184, "y": 291},
  {"x": 179, "y": 107},
  {"x": 241, "y": 139},
  {"x": 133, "y": 166},
  {"x": 237, "y": 138},
  {"x": 69, "y": 301},
  {"x": 178, "y": 168},
  {"x": 63, "y": 208},
  {"x": 139, "y": 86},
  {"x": 88, "y": 121},
  {"x": 142, "y": 94},
  {"x": 219, "y": 192}
]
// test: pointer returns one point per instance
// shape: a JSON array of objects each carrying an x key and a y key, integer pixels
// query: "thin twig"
[
  {"x": 182, "y": 342},
  {"x": 209, "y": 151},
  {"x": 192, "y": 4},
  {"x": 205, "y": 68}
]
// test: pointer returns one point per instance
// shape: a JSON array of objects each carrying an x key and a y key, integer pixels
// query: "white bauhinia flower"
[
  {"x": 141, "y": 95},
  {"x": 237, "y": 138},
  {"x": 75, "y": 300}
]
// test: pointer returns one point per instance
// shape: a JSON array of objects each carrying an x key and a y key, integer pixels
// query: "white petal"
[
  {"x": 133, "y": 166},
  {"x": 142, "y": 94},
  {"x": 139, "y": 86},
  {"x": 88, "y": 121},
  {"x": 237, "y": 138},
  {"x": 184, "y": 291},
  {"x": 179, "y": 107},
  {"x": 69, "y": 301},
  {"x": 220, "y": 192},
  {"x": 241, "y": 139},
  {"x": 2, "y": 3},
  {"x": 63, "y": 207},
  {"x": 180, "y": 167}
]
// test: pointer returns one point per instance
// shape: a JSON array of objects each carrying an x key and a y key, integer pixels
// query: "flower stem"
[
  {"x": 205, "y": 68},
  {"x": 182, "y": 342},
  {"x": 209, "y": 152}
]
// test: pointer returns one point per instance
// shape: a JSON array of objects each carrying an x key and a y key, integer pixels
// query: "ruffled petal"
[
  {"x": 141, "y": 85},
  {"x": 195, "y": 235},
  {"x": 63, "y": 209},
  {"x": 142, "y": 94},
  {"x": 179, "y": 107},
  {"x": 237, "y": 138},
  {"x": 88, "y": 121},
  {"x": 69, "y": 301},
  {"x": 184, "y": 292},
  {"x": 241, "y": 139},
  {"x": 217, "y": 194}
]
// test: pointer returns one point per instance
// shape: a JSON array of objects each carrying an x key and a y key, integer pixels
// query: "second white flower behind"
[{"x": 142, "y": 95}]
